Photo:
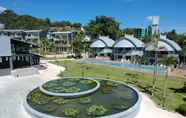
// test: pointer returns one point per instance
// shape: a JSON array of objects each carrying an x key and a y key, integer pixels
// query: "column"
[
  {"x": 30, "y": 55},
  {"x": 11, "y": 63}
]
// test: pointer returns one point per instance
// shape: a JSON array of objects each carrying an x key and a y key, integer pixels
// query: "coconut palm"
[
  {"x": 44, "y": 45},
  {"x": 167, "y": 61},
  {"x": 155, "y": 42},
  {"x": 78, "y": 43}
]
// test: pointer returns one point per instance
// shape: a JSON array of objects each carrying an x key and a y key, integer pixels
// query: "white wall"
[{"x": 5, "y": 46}]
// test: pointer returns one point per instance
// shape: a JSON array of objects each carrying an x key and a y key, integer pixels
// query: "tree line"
[{"x": 15, "y": 21}]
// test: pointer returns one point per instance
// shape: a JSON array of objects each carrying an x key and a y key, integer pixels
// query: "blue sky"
[{"x": 130, "y": 13}]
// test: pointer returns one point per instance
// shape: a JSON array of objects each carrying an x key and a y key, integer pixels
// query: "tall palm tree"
[
  {"x": 184, "y": 51},
  {"x": 77, "y": 44},
  {"x": 167, "y": 61},
  {"x": 44, "y": 45},
  {"x": 155, "y": 38}
]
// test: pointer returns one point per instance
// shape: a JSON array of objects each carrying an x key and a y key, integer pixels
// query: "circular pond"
[
  {"x": 70, "y": 87},
  {"x": 112, "y": 100}
]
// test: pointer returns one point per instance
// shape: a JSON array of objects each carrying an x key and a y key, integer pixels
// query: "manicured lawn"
[{"x": 139, "y": 80}]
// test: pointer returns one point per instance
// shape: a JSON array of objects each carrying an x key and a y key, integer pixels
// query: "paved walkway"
[{"x": 13, "y": 90}]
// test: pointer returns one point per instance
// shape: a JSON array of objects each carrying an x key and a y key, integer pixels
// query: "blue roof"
[
  {"x": 102, "y": 42},
  {"x": 129, "y": 42}
]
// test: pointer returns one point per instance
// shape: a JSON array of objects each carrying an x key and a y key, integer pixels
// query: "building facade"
[
  {"x": 101, "y": 47},
  {"x": 165, "y": 47},
  {"x": 62, "y": 41},
  {"x": 16, "y": 50},
  {"x": 127, "y": 47},
  {"x": 139, "y": 33}
]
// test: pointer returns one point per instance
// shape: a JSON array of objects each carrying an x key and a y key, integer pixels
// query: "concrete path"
[
  {"x": 13, "y": 91},
  {"x": 149, "y": 109}
]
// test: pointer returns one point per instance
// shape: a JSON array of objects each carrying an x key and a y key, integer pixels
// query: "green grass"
[{"x": 141, "y": 81}]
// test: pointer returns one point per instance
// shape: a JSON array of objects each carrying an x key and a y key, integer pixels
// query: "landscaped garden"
[{"x": 176, "y": 94}]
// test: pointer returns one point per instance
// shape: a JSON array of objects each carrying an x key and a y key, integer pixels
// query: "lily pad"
[
  {"x": 71, "y": 112},
  {"x": 85, "y": 100},
  {"x": 72, "y": 90},
  {"x": 86, "y": 81},
  {"x": 96, "y": 110},
  {"x": 68, "y": 84}
]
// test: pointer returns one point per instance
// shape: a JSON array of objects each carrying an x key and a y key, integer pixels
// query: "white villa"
[
  {"x": 102, "y": 46},
  {"x": 165, "y": 47},
  {"x": 127, "y": 47}
]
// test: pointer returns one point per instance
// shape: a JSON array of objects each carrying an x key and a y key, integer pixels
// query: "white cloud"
[{"x": 2, "y": 9}]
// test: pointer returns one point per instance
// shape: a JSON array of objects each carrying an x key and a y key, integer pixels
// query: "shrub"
[{"x": 182, "y": 109}]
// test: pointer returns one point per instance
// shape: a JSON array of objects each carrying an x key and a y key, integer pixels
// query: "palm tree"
[
  {"x": 167, "y": 61},
  {"x": 184, "y": 51},
  {"x": 78, "y": 44},
  {"x": 155, "y": 42},
  {"x": 44, "y": 45}
]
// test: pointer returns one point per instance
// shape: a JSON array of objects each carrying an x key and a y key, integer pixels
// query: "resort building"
[
  {"x": 2, "y": 26},
  {"x": 16, "y": 50},
  {"x": 102, "y": 46},
  {"x": 25, "y": 35},
  {"x": 62, "y": 41},
  {"x": 166, "y": 47},
  {"x": 127, "y": 47}
]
